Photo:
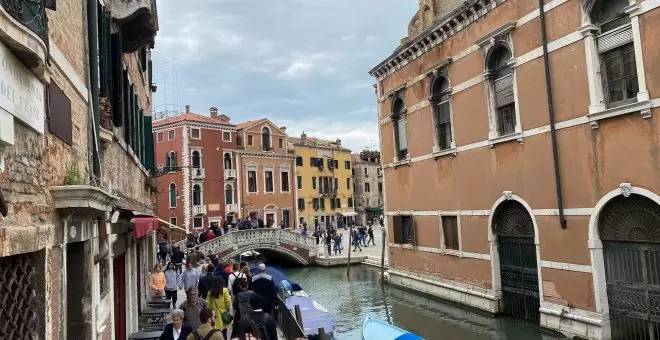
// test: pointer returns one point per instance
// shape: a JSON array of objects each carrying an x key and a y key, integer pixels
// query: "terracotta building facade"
[
  {"x": 368, "y": 187},
  {"x": 265, "y": 173},
  {"x": 196, "y": 156},
  {"x": 520, "y": 157}
]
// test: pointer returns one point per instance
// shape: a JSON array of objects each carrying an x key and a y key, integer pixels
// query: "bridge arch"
[{"x": 292, "y": 255}]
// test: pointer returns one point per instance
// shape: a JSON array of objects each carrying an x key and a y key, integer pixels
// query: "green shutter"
[
  {"x": 148, "y": 143},
  {"x": 143, "y": 139},
  {"x": 136, "y": 124}
]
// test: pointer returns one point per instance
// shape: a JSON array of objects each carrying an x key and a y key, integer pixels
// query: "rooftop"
[
  {"x": 312, "y": 142},
  {"x": 194, "y": 117}
]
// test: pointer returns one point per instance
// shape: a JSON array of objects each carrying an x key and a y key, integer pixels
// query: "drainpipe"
[
  {"x": 93, "y": 43},
  {"x": 551, "y": 113}
]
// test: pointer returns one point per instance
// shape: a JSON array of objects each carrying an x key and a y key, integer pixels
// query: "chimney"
[
  {"x": 303, "y": 137},
  {"x": 187, "y": 108},
  {"x": 338, "y": 142},
  {"x": 214, "y": 112},
  {"x": 283, "y": 128}
]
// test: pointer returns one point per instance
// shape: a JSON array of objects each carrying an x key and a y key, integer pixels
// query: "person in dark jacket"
[
  {"x": 206, "y": 281},
  {"x": 221, "y": 272},
  {"x": 263, "y": 285},
  {"x": 241, "y": 304},
  {"x": 176, "y": 330},
  {"x": 258, "y": 321}
]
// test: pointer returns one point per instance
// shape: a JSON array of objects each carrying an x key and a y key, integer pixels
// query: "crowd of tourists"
[{"x": 219, "y": 296}]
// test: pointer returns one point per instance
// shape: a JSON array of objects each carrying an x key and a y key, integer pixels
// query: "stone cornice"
[
  {"x": 256, "y": 154},
  {"x": 298, "y": 145},
  {"x": 451, "y": 24},
  {"x": 218, "y": 127}
]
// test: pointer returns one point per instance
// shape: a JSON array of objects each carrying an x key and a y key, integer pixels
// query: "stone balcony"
[
  {"x": 24, "y": 30},
  {"x": 231, "y": 208},
  {"x": 83, "y": 200},
  {"x": 230, "y": 173},
  {"x": 199, "y": 210},
  {"x": 138, "y": 22},
  {"x": 198, "y": 173}
]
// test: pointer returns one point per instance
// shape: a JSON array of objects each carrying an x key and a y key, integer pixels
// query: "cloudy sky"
[{"x": 302, "y": 63}]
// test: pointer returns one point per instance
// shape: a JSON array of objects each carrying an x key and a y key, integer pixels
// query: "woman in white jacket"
[{"x": 172, "y": 283}]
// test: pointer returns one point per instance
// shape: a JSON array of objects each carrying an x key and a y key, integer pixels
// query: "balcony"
[
  {"x": 24, "y": 29},
  {"x": 230, "y": 173},
  {"x": 199, "y": 210},
  {"x": 198, "y": 173},
  {"x": 231, "y": 208},
  {"x": 138, "y": 22}
]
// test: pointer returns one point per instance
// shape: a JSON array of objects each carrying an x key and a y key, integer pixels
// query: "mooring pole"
[
  {"x": 382, "y": 259},
  {"x": 350, "y": 243}
]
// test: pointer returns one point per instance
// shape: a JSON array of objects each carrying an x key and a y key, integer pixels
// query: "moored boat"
[{"x": 374, "y": 329}]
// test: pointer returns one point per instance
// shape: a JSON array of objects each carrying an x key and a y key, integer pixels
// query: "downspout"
[
  {"x": 93, "y": 48},
  {"x": 551, "y": 113}
]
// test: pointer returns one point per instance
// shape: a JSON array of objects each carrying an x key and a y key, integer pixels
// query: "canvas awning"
[
  {"x": 172, "y": 229},
  {"x": 349, "y": 213},
  {"x": 143, "y": 225}
]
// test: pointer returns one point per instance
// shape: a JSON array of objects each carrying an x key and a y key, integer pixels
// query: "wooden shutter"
[
  {"x": 167, "y": 161},
  {"x": 105, "y": 54},
  {"x": 148, "y": 143},
  {"x": 397, "y": 229},
  {"x": 126, "y": 107},
  {"x": 142, "y": 137},
  {"x": 117, "y": 79},
  {"x": 413, "y": 230},
  {"x": 59, "y": 113}
]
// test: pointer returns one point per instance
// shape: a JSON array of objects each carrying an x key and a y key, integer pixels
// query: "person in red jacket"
[{"x": 209, "y": 235}]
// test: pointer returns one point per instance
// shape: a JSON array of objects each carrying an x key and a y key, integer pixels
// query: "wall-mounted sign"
[{"x": 21, "y": 92}]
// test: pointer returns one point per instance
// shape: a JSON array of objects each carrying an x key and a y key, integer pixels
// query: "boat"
[
  {"x": 314, "y": 315},
  {"x": 374, "y": 329}
]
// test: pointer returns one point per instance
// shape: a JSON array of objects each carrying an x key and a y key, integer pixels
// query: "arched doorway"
[
  {"x": 629, "y": 228},
  {"x": 514, "y": 229}
]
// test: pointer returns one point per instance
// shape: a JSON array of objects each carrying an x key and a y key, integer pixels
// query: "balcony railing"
[
  {"x": 198, "y": 173},
  {"x": 231, "y": 208},
  {"x": 199, "y": 209},
  {"x": 230, "y": 173},
  {"x": 31, "y": 13}
]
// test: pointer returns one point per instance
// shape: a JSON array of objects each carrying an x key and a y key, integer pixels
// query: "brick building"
[
  {"x": 76, "y": 198},
  {"x": 196, "y": 153},
  {"x": 520, "y": 159},
  {"x": 368, "y": 183},
  {"x": 265, "y": 172}
]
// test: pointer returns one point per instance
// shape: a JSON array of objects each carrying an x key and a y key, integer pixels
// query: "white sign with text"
[{"x": 21, "y": 92}]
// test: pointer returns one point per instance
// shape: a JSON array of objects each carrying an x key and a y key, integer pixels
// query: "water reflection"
[{"x": 351, "y": 300}]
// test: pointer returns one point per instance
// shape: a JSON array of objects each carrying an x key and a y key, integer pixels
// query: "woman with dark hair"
[
  {"x": 172, "y": 283},
  {"x": 219, "y": 300},
  {"x": 242, "y": 304}
]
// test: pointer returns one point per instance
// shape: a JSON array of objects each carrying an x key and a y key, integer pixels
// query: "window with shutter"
[
  {"x": 322, "y": 203},
  {"x": 126, "y": 107},
  {"x": 450, "y": 232},
  {"x": 117, "y": 80},
  {"x": 149, "y": 143},
  {"x": 332, "y": 204}
]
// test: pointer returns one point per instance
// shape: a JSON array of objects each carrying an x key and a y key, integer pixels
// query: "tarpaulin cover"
[{"x": 143, "y": 225}]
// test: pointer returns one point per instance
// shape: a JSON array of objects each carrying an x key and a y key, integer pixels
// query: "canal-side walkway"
[{"x": 370, "y": 255}]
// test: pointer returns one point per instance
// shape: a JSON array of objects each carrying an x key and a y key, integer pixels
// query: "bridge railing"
[
  {"x": 250, "y": 237},
  {"x": 287, "y": 321}
]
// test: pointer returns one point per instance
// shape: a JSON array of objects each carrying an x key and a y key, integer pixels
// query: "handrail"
[
  {"x": 234, "y": 238},
  {"x": 286, "y": 321}
]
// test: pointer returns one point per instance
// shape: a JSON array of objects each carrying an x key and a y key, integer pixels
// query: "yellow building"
[{"x": 324, "y": 182}]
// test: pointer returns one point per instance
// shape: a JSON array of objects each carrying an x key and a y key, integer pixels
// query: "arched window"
[
  {"x": 400, "y": 132},
  {"x": 197, "y": 195},
  {"x": 265, "y": 139},
  {"x": 196, "y": 160},
  {"x": 170, "y": 161},
  {"x": 441, "y": 112},
  {"x": 229, "y": 194},
  {"x": 616, "y": 50},
  {"x": 501, "y": 79},
  {"x": 227, "y": 161},
  {"x": 172, "y": 195}
]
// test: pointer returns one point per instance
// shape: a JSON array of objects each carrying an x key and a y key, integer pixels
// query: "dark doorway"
[
  {"x": 286, "y": 217},
  {"x": 120, "y": 296},
  {"x": 518, "y": 267},
  {"x": 629, "y": 228},
  {"x": 79, "y": 292}
]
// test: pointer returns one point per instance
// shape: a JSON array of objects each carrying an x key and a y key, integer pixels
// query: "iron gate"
[
  {"x": 518, "y": 267},
  {"x": 629, "y": 228},
  {"x": 18, "y": 301}
]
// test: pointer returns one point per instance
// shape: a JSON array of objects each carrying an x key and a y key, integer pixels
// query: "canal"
[{"x": 352, "y": 300}]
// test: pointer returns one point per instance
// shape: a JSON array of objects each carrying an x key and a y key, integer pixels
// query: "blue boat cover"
[
  {"x": 374, "y": 329},
  {"x": 313, "y": 319},
  {"x": 278, "y": 276},
  {"x": 408, "y": 336}
]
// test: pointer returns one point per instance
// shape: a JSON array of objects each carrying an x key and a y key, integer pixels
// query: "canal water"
[{"x": 351, "y": 300}]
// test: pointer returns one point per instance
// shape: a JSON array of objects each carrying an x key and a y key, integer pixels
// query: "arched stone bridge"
[{"x": 295, "y": 247}]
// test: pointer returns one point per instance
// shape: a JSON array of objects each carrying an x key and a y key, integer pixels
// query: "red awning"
[{"x": 143, "y": 225}]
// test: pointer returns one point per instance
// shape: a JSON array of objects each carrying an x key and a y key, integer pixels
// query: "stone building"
[
  {"x": 368, "y": 186},
  {"x": 520, "y": 156},
  {"x": 323, "y": 181},
  {"x": 195, "y": 153},
  {"x": 76, "y": 198},
  {"x": 265, "y": 173}
]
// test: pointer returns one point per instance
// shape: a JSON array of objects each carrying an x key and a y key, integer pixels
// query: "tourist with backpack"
[
  {"x": 206, "y": 330},
  {"x": 233, "y": 277},
  {"x": 258, "y": 321},
  {"x": 242, "y": 305}
]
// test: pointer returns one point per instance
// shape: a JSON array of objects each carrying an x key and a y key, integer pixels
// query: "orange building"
[
  {"x": 265, "y": 173},
  {"x": 521, "y": 160}
]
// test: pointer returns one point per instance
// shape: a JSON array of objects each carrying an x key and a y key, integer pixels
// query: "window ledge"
[
  {"x": 517, "y": 136},
  {"x": 439, "y": 153},
  {"x": 397, "y": 163},
  {"x": 452, "y": 252},
  {"x": 644, "y": 108}
]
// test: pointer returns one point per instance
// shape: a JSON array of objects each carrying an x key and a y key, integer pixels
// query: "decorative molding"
[
  {"x": 582, "y": 268},
  {"x": 486, "y": 212},
  {"x": 489, "y": 38},
  {"x": 189, "y": 124},
  {"x": 644, "y": 109},
  {"x": 433, "y": 70},
  {"x": 626, "y": 189},
  {"x": 507, "y": 195},
  {"x": 264, "y": 155}
]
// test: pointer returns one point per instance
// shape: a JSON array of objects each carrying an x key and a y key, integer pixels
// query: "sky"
[{"x": 302, "y": 63}]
